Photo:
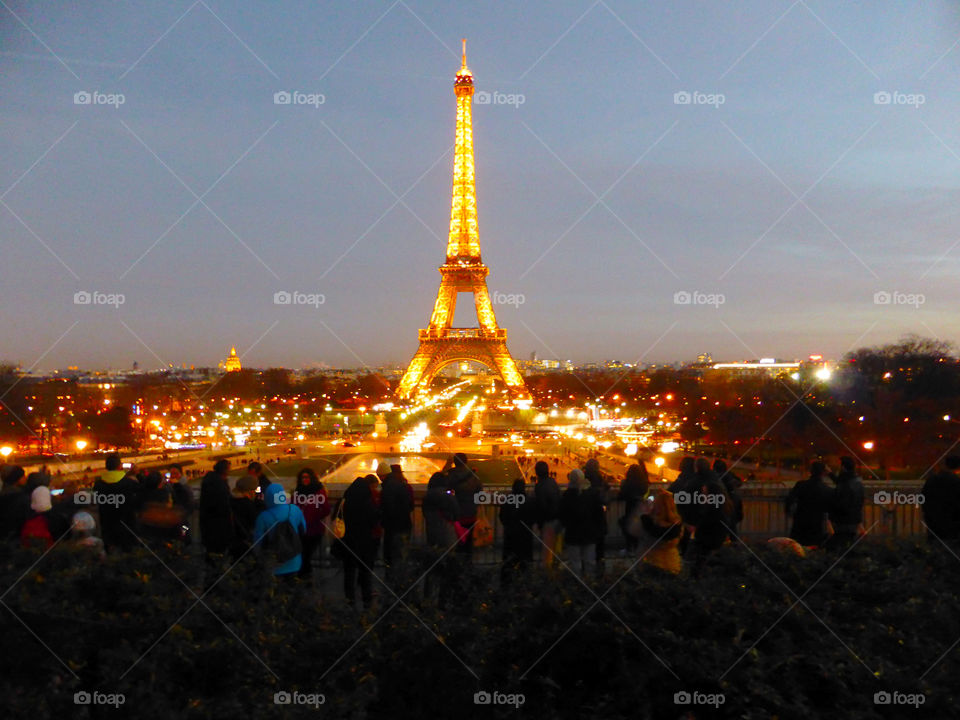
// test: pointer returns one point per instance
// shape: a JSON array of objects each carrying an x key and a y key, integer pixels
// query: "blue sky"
[{"x": 786, "y": 187}]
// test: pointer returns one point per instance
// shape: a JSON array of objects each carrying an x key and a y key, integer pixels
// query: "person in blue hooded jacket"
[{"x": 279, "y": 510}]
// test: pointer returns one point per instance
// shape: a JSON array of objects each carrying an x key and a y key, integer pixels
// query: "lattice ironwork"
[{"x": 463, "y": 271}]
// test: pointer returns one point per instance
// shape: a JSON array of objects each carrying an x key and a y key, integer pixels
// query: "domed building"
[{"x": 232, "y": 363}]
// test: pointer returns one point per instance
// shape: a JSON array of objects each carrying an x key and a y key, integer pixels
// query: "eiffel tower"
[{"x": 463, "y": 271}]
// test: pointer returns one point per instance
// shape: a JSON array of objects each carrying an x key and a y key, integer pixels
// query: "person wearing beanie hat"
[
  {"x": 36, "y": 530},
  {"x": 383, "y": 469}
]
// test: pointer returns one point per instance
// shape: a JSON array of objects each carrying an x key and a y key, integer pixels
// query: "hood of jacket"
[{"x": 274, "y": 495}]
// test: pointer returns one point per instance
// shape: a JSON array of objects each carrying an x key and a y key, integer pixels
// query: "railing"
[
  {"x": 457, "y": 333},
  {"x": 764, "y": 516}
]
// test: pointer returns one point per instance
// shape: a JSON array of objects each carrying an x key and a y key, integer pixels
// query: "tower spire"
[{"x": 464, "y": 241}]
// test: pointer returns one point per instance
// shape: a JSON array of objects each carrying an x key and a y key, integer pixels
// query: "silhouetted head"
[
  {"x": 719, "y": 466},
  {"x": 153, "y": 480},
  {"x": 541, "y": 469},
  {"x": 848, "y": 464},
  {"x": 637, "y": 475},
  {"x": 113, "y": 461},
  {"x": 307, "y": 476},
  {"x": 438, "y": 479},
  {"x": 687, "y": 464},
  {"x": 817, "y": 468},
  {"x": 14, "y": 476},
  {"x": 519, "y": 487},
  {"x": 221, "y": 467},
  {"x": 702, "y": 465}
]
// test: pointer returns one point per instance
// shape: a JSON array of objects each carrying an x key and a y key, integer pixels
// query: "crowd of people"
[{"x": 663, "y": 528}]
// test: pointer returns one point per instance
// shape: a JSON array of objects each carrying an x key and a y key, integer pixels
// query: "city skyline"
[{"x": 773, "y": 181}]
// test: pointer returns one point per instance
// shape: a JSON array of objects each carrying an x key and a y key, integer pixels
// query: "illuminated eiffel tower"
[{"x": 463, "y": 271}]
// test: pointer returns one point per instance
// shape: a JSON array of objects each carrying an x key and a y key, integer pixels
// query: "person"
[
  {"x": 440, "y": 512},
  {"x": 633, "y": 490},
  {"x": 311, "y": 497},
  {"x": 278, "y": 531},
  {"x": 517, "y": 515},
  {"x": 808, "y": 502},
  {"x": 83, "y": 526},
  {"x": 687, "y": 482},
  {"x": 591, "y": 471},
  {"x": 244, "y": 509},
  {"x": 183, "y": 500},
  {"x": 713, "y": 513},
  {"x": 158, "y": 518},
  {"x": 115, "y": 494},
  {"x": 14, "y": 503},
  {"x": 36, "y": 531},
  {"x": 546, "y": 499},
  {"x": 846, "y": 508},
  {"x": 581, "y": 514},
  {"x": 216, "y": 515},
  {"x": 731, "y": 483},
  {"x": 361, "y": 520},
  {"x": 941, "y": 503},
  {"x": 396, "y": 508},
  {"x": 255, "y": 470},
  {"x": 664, "y": 526},
  {"x": 465, "y": 484}
]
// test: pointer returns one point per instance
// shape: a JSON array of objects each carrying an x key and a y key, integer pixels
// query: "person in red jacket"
[{"x": 311, "y": 497}]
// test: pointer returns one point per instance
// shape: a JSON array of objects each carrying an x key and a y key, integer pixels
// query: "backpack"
[{"x": 285, "y": 540}]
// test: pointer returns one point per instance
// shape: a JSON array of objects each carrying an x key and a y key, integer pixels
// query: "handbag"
[
  {"x": 482, "y": 533},
  {"x": 339, "y": 528}
]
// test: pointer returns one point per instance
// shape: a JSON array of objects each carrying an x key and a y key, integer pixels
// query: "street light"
[
  {"x": 660, "y": 462},
  {"x": 5, "y": 451},
  {"x": 81, "y": 445}
]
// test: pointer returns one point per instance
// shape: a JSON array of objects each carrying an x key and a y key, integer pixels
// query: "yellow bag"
[
  {"x": 482, "y": 533},
  {"x": 339, "y": 528}
]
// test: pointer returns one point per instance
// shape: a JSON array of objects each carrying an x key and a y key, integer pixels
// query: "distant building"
[
  {"x": 704, "y": 359},
  {"x": 764, "y": 366},
  {"x": 232, "y": 363}
]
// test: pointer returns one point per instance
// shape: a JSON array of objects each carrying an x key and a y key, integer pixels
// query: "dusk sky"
[{"x": 816, "y": 165}]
